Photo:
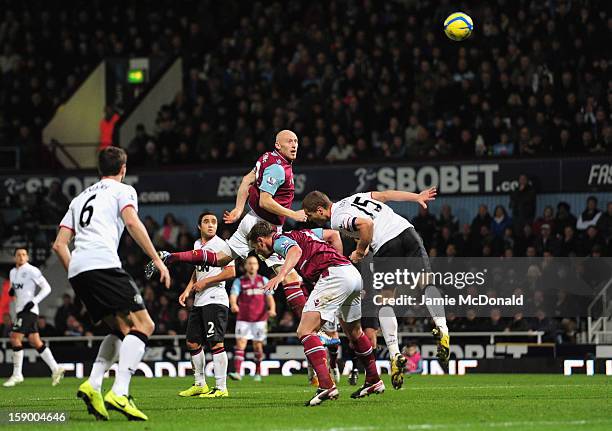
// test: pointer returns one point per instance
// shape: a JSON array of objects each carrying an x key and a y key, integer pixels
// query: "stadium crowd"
[{"x": 378, "y": 81}]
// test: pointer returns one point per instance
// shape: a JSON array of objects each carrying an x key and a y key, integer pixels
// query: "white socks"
[
  {"x": 17, "y": 362},
  {"x": 107, "y": 356},
  {"x": 198, "y": 361},
  {"x": 388, "y": 326},
  {"x": 436, "y": 311},
  {"x": 220, "y": 367},
  {"x": 131, "y": 352},
  {"x": 47, "y": 356}
]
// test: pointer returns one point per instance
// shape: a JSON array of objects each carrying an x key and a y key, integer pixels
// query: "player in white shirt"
[
  {"x": 209, "y": 314},
  {"x": 96, "y": 219},
  {"x": 366, "y": 217},
  {"x": 25, "y": 279}
]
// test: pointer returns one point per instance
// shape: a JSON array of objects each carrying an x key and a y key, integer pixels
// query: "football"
[{"x": 458, "y": 26}]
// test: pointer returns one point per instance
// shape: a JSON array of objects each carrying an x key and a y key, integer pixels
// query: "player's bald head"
[
  {"x": 285, "y": 134},
  {"x": 287, "y": 144}
]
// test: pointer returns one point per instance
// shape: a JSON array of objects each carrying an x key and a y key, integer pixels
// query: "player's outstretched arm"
[
  {"x": 228, "y": 273},
  {"x": 138, "y": 231},
  {"x": 399, "y": 196},
  {"x": 365, "y": 227},
  {"x": 60, "y": 246},
  {"x": 267, "y": 202},
  {"x": 241, "y": 197},
  {"x": 291, "y": 259}
]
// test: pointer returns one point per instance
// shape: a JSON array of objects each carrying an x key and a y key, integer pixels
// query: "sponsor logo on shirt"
[{"x": 138, "y": 298}]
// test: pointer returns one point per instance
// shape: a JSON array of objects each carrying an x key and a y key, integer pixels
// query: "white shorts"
[
  {"x": 255, "y": 331},
  {"x": 330, "y": 326},
  {"x": 337, "y": 295},
  {"x": 240, "y": 246}
]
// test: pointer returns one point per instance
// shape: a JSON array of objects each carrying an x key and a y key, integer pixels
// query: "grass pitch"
[{"x": 471, "y": 402}]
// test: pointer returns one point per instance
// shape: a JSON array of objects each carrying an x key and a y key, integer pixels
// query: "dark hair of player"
[
  {"x": 261, "y": 229},
  {"x": 204, "y": 214},
  {"x": 314, "y": 200},
  {"x": 20, "y": 248},
  {"x": 110, "y": 161}
]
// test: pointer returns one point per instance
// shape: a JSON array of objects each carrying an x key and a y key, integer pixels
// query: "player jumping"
[
  {"x": 366, "y": 216},
  {"x": 253, "y": 308},
  {"x": 24, "y": 279},
  {"x": 336, "y": 294},
  {"x": 209, "y": 314},
  {"x": 270, "y": 190},
  {"x": 96, "y": 219}
]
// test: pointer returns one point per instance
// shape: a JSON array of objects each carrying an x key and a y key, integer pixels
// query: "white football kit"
[
  {"x": 387, "y": 224},
  {"x": 94, "y": 216},
  {"x": 215, "y": 294},
  {"x": 24, "y": 280}
]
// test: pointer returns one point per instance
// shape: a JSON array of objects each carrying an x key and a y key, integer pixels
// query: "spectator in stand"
[
  {"x": 548, "y": 217},
  {"x": 286, "y": 322},
  {"x": 500, "y": 221},
  {"x": 604, "y": 226},
  {"x": 448, "y": 219},
  {"x": 46, "y": 329},
  {"x": 425, "y": 225},
  {"x": 150, "y": 301},
  {"x": 495, "y": 322},
  {"x": 547, "y": 241},
  {"x": 413, "y": 356},
  {"x": 519, "y": 323},
  {"x": 61, "y": 315},
  {"x": 564, "y": 218},
  {"x": 165, "y": 314},
  {"x": 483, "y": 218},
  {"x": 107, "y": 127},
  {"x": 151, "y": 226},
  {"x": 55, "y": 202},
  {"x": 590, "y": 216},
  {"x": 523, "y": 202},
  {"x": 470, "y": 322},
  {"x": 541, "y": 322},
  {"x": 592, "y": 239},
  {"x": 340, "y": 152},
  {"x": 443, "y": 241},
  {"x": 179, "y": 326},
  {"x": 74, "y": 328},
  {"x": 167, "y": 236},
  {"x": 504, "y": 147},
  {"x": 570, "y": 245},
  {"x": 136, "y": 149}
]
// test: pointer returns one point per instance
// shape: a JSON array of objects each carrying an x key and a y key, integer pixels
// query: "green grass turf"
[{"x": 471, "y": 402}]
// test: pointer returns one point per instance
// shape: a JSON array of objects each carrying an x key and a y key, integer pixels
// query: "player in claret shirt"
[
  {"x": 366, "y": 217},
  {"x": 253, "y": 307},
  {"x": 25, "y": 278},
  {"x": 270, "y": 189},
  {"x": 336, "y": 294}
]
